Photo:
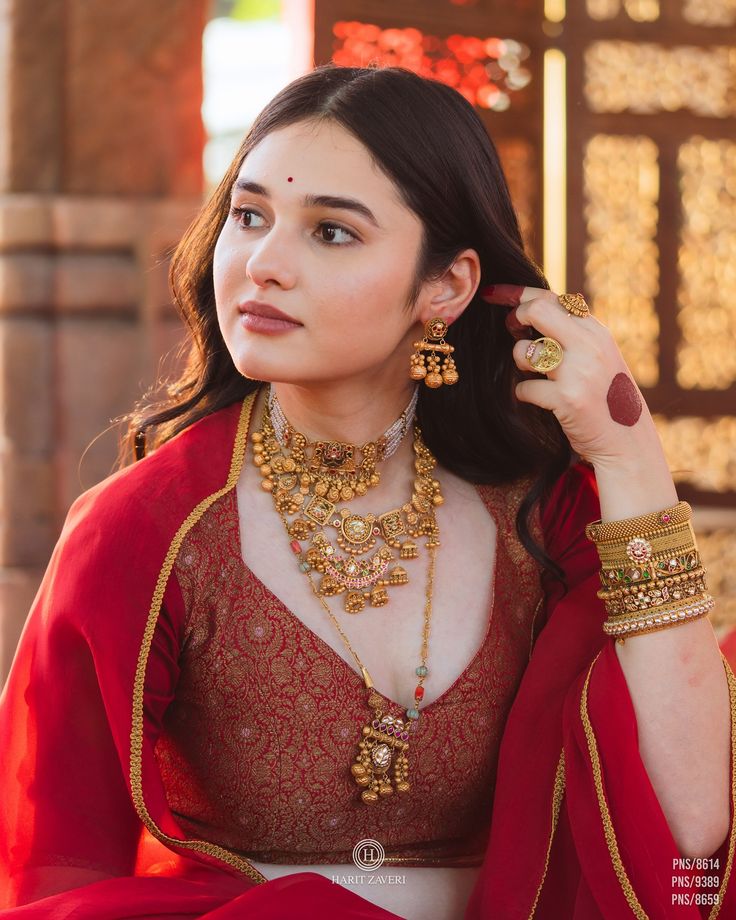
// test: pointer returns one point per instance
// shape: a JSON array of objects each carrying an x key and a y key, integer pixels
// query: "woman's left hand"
[{"x": 592, "y": 392}]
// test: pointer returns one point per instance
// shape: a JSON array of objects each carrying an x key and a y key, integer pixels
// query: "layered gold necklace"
[{"x": 305, "y": 481}]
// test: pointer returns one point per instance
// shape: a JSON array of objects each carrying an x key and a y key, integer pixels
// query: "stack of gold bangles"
[{"x": 651, "y": 572}]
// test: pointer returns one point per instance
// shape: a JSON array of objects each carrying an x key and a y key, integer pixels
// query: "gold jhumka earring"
[{"x": 434, "y": 341}]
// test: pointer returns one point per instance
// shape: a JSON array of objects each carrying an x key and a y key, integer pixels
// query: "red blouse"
[{"x": 257, "y": 745}]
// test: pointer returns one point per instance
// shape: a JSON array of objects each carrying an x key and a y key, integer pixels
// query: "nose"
[{"x": 271, "y": 261}]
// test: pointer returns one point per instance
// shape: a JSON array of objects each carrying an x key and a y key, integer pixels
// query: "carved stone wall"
[{"x": 100, "y": 173}]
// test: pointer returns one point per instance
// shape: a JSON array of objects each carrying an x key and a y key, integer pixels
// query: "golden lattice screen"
[
  {"x": 652, "y": 103},
  {"x": 646, "y": 200}
]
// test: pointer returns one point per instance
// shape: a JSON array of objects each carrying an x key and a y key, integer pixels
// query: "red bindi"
[
  {"x": 290, "y": 179},
  {"x": 624, "y": 402}
]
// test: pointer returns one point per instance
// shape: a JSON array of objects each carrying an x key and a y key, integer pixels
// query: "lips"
[{"x": 267, "y": 311}]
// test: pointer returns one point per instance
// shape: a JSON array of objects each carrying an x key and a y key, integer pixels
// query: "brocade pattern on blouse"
[{"x": 257, "y": 745}]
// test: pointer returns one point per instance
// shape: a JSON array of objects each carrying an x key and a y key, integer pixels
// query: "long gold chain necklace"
[{"x": 384, "y": 741}]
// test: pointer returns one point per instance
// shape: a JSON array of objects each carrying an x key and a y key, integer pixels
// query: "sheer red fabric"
[{"x": 85, "y": 828}]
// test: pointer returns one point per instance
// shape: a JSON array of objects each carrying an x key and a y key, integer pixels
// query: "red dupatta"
[
  {"x": 577, "y": 829},
  {"x": 97, "y": 667}
]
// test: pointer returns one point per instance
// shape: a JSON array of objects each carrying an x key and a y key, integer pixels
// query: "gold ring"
[
  {"x": 574, "y": 304},
  {"x": 550, "y": 355}
]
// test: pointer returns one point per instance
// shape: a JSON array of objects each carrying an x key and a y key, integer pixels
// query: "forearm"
[{"x": 676, "y": 681}]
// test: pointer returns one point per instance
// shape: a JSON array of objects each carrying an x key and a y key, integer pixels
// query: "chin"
[{"x": 254, "y": 367}]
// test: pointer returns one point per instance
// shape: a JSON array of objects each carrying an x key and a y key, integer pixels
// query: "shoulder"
[
  {"x": 118, "y": 535},
  {"x": 504, "y": 498},
  {"x": 157, "y": 492}
]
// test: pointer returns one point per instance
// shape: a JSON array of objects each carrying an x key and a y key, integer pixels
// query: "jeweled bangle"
[
  {"x": 623, "y": 530},
  {"x": 653, "y": 596},
  {"x": 641, "y": 548},
  {"x": 629, "y": 574},
  {"x": 662, "y": 619},
  {"x": 622, "y": 590}
]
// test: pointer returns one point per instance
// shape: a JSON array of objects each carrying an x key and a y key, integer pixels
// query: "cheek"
[
  {"x": 224, "y": 273},
  {"x": 217, "y": 270},
  {"x": 363, "y": 310}
]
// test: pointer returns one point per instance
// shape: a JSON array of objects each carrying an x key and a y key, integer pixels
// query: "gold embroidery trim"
[
  {"x": 534, "y": 620},
  {"x": 732, "y": 835},
  {"x": 558, "y": 792},
  {"x": 608, "y": 828},
  {"x": 136, "y": 732}
]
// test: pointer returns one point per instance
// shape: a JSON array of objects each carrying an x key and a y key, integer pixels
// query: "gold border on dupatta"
[
  {"x": 558, "y": 792},
  {"x": 608, "y": 829},
  {"x": 136, "y": 733}
]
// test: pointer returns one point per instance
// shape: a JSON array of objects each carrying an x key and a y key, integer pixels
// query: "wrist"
[
  {"x": 632, "y": 486},
  {"x": 637, "y": 451}
]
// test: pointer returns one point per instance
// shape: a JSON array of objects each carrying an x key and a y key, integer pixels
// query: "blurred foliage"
[{"x": 246, "y": 10}]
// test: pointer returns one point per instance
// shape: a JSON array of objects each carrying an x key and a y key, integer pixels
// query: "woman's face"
[{"x": 318, "y": 232}]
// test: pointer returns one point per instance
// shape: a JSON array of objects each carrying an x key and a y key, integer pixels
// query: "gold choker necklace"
[{"x": 333, "y": 466}]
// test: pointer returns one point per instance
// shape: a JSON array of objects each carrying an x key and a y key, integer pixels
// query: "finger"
[
  {"x": 510, "y": 295},
  {"x": 540, "y": 392},
  {"x": 523, "y": 351},
  {"x": 518, "y": 330},
  {"x": 527, "y": 350},
  {"x": 549, "y": 317},
  {"x": 505, "y": 295}
]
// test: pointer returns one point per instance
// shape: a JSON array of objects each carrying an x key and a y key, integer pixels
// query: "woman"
[{"x": 269, "y": 640}]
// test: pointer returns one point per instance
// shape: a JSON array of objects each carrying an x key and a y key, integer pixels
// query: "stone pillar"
[{"x": 100, "y": 172}]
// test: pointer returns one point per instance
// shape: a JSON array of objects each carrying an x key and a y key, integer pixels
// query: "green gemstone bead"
[
  {"x": 421, "y": 671},
  {"x": 412, "y": 713},
  {"x": 305, "y": 566},
  {"x": 647, "y": 576}
]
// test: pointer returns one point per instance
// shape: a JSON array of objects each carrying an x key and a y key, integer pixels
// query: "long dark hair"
[{"x": 430, "y": 141}]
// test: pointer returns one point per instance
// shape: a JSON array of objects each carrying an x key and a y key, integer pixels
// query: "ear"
[{"x": 448, "y": 296}]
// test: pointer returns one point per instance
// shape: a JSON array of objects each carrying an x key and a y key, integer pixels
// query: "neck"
[{"x": 349, "y": 412}]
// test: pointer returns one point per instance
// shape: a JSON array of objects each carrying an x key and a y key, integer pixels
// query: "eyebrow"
[{"x": 313, "y": 201}]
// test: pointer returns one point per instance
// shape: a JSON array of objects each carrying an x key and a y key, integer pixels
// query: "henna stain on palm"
[{"x": 624, "y": 402}]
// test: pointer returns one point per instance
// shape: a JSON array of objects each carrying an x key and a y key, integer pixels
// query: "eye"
[
  {"x": 244, "y": 217},
  {"x": 331, "y": 233},
  {"x": 328, "y": 233}
]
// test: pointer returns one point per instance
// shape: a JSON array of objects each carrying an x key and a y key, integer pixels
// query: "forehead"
[{"x": 317, "y": 157}]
